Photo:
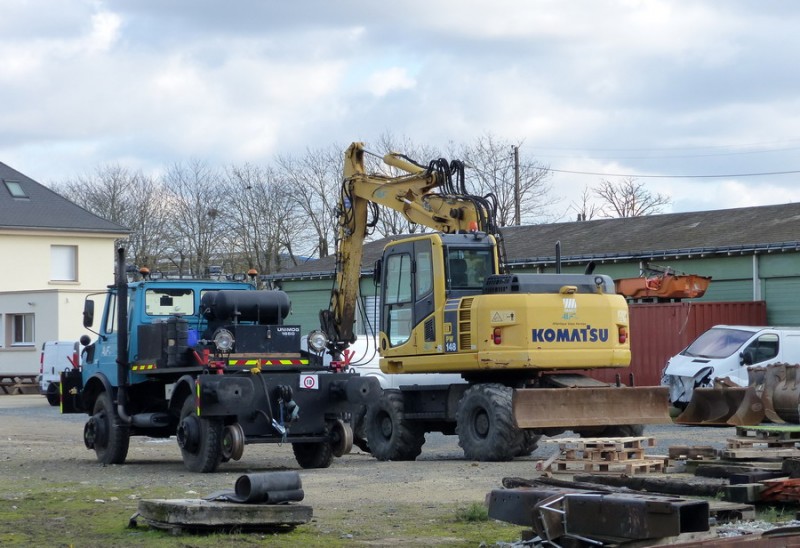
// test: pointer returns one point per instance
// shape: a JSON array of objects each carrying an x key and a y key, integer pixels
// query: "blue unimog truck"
[{"x": 212, "y": 363}]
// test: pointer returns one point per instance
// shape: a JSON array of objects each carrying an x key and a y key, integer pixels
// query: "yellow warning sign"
[{"x": 503, "y": 316}]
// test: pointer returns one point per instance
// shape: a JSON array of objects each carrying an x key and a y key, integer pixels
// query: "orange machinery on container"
[{"x": 659, "y": 282}]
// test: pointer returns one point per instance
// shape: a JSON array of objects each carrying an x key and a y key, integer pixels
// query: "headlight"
[
  {"x": 223, "y": 339},
  {"x": 317, "y": 341}
]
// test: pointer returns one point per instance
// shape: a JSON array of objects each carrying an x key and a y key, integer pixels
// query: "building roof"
[
  {"x": 743, "y": 230},
  {"x": 42, "y": 209}
]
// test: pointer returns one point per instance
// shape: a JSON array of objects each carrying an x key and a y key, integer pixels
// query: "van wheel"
[
  {"x": 200, "y": 439},
  {"x": 52, "y": 394},
  {"x": 105, "y": 433}
]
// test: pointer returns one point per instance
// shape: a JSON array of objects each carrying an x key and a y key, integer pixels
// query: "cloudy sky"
[{"x": 700, "y": 99}]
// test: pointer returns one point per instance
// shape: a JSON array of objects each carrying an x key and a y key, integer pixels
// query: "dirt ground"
[{"x": 38, "y": 442}]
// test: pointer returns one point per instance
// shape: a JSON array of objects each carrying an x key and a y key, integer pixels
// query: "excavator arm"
[{"x": 433, "y": 196}]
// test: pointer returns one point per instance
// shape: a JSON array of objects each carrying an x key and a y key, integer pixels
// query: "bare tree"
[
  {"x": 261, "y": 216},
  {"x": 314, "y": 183},
  {"x": 628, "y": 198},
  {"x": 196, "y": 217},
  {"x": 492, "y": 163},
  {"x": 130, "y": 199},
  {"x": 585, "y": 208}
]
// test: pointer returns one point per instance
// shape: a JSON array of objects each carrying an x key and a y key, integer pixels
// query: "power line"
[{"x": 637, "y": 176}]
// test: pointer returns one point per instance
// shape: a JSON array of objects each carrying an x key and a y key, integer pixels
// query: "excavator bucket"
[
  {"x": 750, "y": 411},
  {"x": 570, "y": 408},
  {"x": 717, "y": 406}
]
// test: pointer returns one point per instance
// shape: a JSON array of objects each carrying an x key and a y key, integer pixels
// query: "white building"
[{"x": 53, "y": 253}]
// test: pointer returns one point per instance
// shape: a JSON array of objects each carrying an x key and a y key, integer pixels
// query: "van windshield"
[{"x": 717, "y": 343}]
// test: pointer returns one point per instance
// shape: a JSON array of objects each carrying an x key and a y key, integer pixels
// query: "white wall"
[{"x": 25, "y": 287}]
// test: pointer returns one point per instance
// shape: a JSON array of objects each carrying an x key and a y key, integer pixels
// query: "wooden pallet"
[
  {"x": 761, "y": 453},
  {"x": 769, "y": 432},
  {"x": 603, "y": 444},
  {"x": 761, "y": 443},
  {"x": 630, "y": 467}
]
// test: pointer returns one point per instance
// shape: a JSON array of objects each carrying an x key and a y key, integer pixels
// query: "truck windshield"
[
  {"x": 166, "y": 301},
  {"x": 717, "y": 343}
]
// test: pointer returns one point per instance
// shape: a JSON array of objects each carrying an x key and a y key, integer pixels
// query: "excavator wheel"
[
  {"x": 105, "y": 433},
  {"x": 485, "y": 424},
  {"x": 200, "y": 439},
  {"x": 389, "y": 435}
]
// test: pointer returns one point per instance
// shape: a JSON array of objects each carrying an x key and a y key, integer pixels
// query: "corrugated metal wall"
[{"x": 661, "y": 330}]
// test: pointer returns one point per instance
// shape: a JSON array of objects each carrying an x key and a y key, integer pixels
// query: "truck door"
[{"x": 407, "y": 288}]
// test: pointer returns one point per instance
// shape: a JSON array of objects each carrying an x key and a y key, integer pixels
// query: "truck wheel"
[
  {"x": 200, "y": 440},
  {"x": 389, "y": 435},
  {"x": 105, "y": 434},
  {"x": 485, "y": 424},
  {"x": 52, "y": 394},
  {"x": 313, "y": 455}
]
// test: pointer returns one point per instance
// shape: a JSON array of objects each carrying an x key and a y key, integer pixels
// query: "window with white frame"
[
  {"x": 20, "y": 328},
  {"x": 64, "y": 263}
]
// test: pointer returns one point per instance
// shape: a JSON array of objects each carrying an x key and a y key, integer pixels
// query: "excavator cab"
[{"x": 418, "y": 276}]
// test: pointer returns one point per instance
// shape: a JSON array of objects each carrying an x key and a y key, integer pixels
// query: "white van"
[
  {"x": 57, "y": 356},
  {"x": 728, "y": 351},
  {"x": 366, "y": 362}
]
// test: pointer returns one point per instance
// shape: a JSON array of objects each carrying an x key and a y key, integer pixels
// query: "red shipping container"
[{"x": 660, "y": 330}]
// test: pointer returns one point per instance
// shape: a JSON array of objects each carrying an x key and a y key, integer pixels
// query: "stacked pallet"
[
  {"x": 758, "y": 442},
  {"x": 606, "y": 455}
]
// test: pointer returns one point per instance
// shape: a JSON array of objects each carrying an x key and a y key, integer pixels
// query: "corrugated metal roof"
[
  {"x": 43, "y": 209},
  {"x": 744, "y": 230}
]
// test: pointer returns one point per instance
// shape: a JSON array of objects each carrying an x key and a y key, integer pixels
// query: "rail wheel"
[
  {"x": 200, "y": 439},
  {"x": 389, "y": 435},
  {"x": 313, "y": 455},
  {"x": 105, "y": 433},
  {"x": 485, "y": 424}
]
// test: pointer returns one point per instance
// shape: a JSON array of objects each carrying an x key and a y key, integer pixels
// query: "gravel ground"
[{"x": 38, "y": 442}]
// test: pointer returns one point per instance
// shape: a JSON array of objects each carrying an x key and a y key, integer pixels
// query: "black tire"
[
  {"x": 313, "y": 455},
  {"x": 52, "y": 394},
  {"x": 360, "y": 429},
  {"x": 200, "y": 439},
  {"x": 389, "y": 435},
  {"x": 111, "y": 446},
  {"x": 528, "y": 443},
  {"x": 485, "y": 424}
]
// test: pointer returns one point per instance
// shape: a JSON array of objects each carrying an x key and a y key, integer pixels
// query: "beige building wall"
[{"x": 26, "y": 287}]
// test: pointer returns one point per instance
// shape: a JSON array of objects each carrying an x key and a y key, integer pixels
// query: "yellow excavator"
[{"x": 519, "y": 341}]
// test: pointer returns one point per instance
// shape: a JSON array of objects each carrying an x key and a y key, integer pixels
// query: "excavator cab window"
[
  {"x": 468, "y": 268},
  {"x": 397, "y": 298}
]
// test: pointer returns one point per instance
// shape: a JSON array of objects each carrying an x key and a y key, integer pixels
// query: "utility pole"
[{"x": 517, "y": 216}]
